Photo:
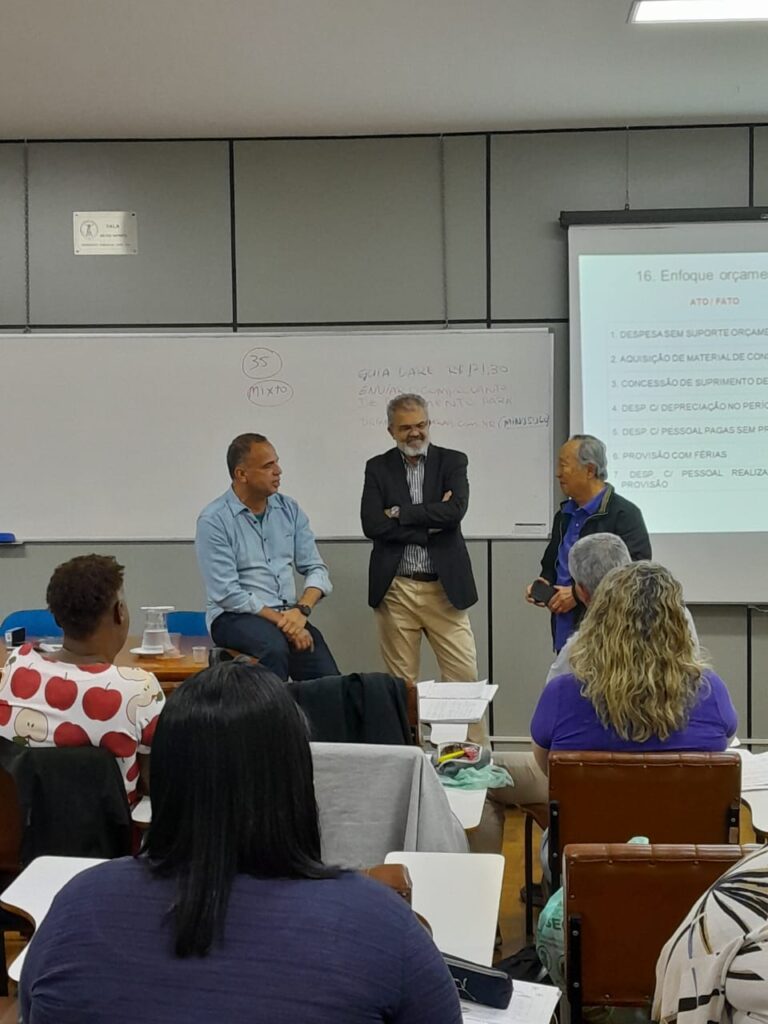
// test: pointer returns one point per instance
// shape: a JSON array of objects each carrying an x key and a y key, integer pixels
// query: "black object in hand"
[{"x": 542, "y": 591}]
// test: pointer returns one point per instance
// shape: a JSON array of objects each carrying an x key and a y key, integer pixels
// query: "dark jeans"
[{"x": 252, "y": 634}]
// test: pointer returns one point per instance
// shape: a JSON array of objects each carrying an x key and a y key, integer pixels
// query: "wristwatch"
[{"x": 305, "y": 610}]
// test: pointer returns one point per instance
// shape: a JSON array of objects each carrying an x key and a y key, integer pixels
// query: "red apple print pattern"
[
  {"x": 101, "y": 704},
  {"x": 119, "y": 744},
  {"x": 40, "y": 692},
  {"x": 70, "y": 735},
  {"x": 148, "y": 732},
  {"x": 25, "y": 682},
  {"x": 61, "y": 692}
]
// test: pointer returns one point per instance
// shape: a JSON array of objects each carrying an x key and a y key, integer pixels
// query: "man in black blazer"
[{"x": 420, "y": 576}]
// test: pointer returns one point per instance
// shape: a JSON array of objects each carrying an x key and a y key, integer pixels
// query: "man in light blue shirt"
[{"x": 248, "y": 544}]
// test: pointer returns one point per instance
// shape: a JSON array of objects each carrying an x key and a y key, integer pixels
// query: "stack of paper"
[
  {"x": 531, "y": 1004},
  {"x": 447, "y": 732},
  {"x": 754, "y": 770},
  {"x": 454, "y": 702}
]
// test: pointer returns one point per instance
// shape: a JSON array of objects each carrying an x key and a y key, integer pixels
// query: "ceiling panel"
[{"x": 183, "y": 68}]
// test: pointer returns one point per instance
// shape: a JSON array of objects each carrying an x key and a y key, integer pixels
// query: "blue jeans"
[{"x": 254, "y": 635}]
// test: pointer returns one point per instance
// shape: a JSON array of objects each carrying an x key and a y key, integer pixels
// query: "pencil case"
[{"x": 479, "y": 984}]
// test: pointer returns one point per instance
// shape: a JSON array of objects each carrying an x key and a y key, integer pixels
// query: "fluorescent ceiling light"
[{"x": 650, "y": 11}]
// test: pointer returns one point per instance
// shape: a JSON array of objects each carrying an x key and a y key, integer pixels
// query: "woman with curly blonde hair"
[{"x": 638, "y": 683}]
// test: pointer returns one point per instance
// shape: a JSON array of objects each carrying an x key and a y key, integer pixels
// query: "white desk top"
[
  {"x": 142, "y": 812},
  {"x": 467, "y": 805},
  {"x": 32, "y": 893}
]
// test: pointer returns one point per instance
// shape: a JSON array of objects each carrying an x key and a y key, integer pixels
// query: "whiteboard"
[{"x": 124, "y": 436}]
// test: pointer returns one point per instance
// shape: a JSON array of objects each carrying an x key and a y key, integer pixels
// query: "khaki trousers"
[{"x": 411, "y": 609}]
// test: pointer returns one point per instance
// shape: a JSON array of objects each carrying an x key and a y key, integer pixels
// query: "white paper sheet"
[
  {"x": 453, "y": 691},
  {"x": 754, "y": 770},
  {"x": 442, "y": 732},
  {"x": 437, "y": 710},
  {"x": 530, "y": 1004}
]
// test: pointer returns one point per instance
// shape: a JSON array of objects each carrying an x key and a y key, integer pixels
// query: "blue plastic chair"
[
  {"x": 187, "y": 623},
  {"x": 36, "y": 621}
]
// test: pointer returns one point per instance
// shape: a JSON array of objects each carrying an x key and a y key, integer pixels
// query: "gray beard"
[{"x": 413, "y": 450}]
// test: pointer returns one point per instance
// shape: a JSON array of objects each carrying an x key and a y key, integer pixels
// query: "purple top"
[
  {"x": 565, "y": 720},
  {"x": 337, "y": 951},
  {"x": 566, "y": 621}
]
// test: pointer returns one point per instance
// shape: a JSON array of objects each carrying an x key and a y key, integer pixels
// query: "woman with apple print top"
[{"x": 77, "y": 697}]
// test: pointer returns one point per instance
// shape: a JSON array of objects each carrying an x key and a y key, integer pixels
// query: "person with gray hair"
[
  {"x": 589, "y": 562},
  {"x": 592, "y": 506},
  {"x": 420, "y": 580},
  {"x": 591, "y": 558}
]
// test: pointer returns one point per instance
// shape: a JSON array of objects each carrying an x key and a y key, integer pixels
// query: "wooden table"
[{"x": 169, "y": 671}]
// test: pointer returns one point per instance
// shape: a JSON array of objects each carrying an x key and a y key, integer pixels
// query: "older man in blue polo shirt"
[
  {"x": 248, "y": 542},
  {"x": 591, "y": 506}
]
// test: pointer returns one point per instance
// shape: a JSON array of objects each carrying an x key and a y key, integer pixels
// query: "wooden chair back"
[
  {"x": 668, "y": 797},
  {"x": 394, "y": 876},
  {"x": 11, "y": 822},
  {"x": 621, "y": 903},
  {"x": 398, "y": 878},
  {"x": 11, "y": 827}
]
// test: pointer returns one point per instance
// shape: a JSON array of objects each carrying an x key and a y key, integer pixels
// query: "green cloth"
[{"x": 490, "y": 776}]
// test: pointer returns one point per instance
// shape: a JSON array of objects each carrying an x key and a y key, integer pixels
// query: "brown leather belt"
[{"x": 420, "y": 577}]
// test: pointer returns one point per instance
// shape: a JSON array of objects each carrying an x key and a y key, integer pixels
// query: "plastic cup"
[{"x": 200, "y": 655}]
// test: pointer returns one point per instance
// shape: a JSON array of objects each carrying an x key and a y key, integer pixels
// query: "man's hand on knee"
[
  {"x": 302, "y": 641},
  {"x": 292, "y": 622}
]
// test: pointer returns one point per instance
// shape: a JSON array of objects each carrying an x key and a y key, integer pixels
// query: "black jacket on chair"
[
  {"x": 435, "y": 524},
  {"x": 367, "y": 707},
  {"x": 72, "y": 801}
]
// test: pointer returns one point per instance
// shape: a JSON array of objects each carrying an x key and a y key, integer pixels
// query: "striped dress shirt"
[{"x": 415, "y": 556}]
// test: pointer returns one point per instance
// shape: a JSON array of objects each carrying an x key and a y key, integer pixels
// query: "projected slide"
[{"x": 674, "y": 377}]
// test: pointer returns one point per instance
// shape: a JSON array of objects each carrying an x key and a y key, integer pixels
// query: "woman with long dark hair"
[{"x": 230, "y": 914}]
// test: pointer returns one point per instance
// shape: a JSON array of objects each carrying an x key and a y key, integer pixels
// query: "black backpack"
[{"x": 524, "y": 966}]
